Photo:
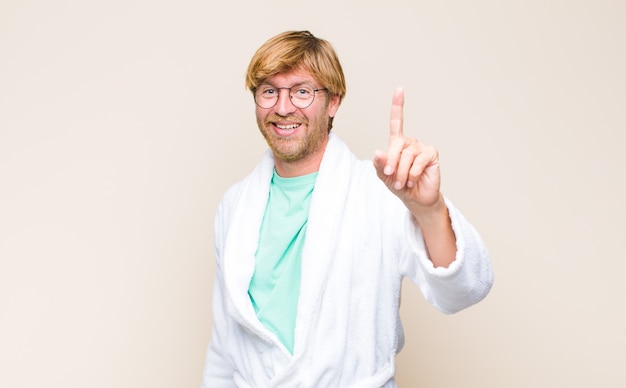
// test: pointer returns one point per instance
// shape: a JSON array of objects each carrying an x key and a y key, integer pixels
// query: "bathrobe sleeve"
[
  {"x": 465, "y": 282},
  {"x": 218, "y": 372}
]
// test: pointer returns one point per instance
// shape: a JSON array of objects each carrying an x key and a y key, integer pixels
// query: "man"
[{"x": 313, "y": 245}]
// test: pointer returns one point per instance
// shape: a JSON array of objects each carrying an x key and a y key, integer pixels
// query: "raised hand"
[{"x": 409, "y": 168}]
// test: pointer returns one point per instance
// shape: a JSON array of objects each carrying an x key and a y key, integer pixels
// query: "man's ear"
[{"x": 333, "y": 105}]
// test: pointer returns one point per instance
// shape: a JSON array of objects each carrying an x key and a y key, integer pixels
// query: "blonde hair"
[{"x": 297, "y": 49}]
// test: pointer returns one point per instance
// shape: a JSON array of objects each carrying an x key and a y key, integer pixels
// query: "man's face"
[{"x": 292, "y": 133}]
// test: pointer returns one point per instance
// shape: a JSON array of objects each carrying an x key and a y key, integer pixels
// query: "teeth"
[{"x": 288, "y": 127}]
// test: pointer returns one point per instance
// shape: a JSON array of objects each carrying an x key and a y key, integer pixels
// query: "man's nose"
[{"x": 284, "y": 106}]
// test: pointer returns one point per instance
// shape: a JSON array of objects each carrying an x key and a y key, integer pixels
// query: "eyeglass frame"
[{"x": 254, "y": 90}]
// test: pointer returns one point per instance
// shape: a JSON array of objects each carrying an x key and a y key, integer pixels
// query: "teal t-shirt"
[{"x": 275, "y": 284}]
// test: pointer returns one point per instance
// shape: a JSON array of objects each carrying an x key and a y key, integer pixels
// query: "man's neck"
[
  {"x": 308, "y": 165},
  {"x": 299, "y": 168}
]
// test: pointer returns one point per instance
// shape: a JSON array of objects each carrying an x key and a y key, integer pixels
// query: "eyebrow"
[{"x": 289, "y": 87}]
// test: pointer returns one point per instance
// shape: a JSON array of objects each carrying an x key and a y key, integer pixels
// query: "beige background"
[{"x": 122, "y": 123}]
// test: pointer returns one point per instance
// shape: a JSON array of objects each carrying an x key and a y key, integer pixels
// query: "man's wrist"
[{"x": 430, "y": 214}]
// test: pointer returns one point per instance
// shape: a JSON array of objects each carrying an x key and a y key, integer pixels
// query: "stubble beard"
[{"x": 298, "y": 147}]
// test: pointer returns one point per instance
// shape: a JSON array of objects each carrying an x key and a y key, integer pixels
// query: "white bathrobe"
[{"x": 361, "y": 241}]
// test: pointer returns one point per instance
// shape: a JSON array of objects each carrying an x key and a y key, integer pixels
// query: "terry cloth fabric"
[{"x": 361, "y": 242}]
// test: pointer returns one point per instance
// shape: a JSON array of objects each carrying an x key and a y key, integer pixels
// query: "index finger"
[{"x": 396, "y": 120}]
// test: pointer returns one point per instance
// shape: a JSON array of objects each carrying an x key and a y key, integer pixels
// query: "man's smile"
[{"x": 286, "y": 126}]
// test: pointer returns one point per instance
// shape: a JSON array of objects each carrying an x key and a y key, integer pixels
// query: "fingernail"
[
  {"x": 398, "y": 185},
  {"x": 388, "y": 170},
  {"x": 409, "y": 184}
]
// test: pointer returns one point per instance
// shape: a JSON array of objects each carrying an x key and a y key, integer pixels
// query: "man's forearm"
[{"x": 434, "y": 221}]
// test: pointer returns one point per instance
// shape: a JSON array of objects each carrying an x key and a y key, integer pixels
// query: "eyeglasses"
[{"x": 301, "y": 96}]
